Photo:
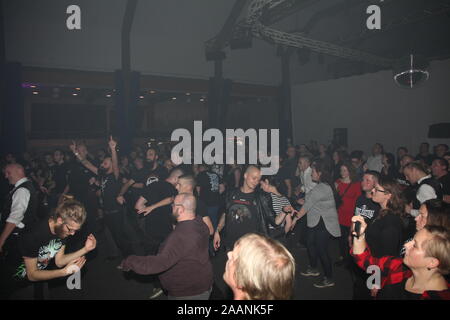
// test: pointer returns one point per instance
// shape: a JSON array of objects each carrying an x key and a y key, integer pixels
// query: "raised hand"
[
  {"x": 112, "y": 143},
  {"x": 363, "y": 225}
]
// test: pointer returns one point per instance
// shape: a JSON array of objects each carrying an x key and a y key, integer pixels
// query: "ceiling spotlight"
[
  {"x": 152, "y": 91},
  {"x": 35, "y": 92},
  {"x": 411, "y": 71},
  {"x": 188, "y": 93},
  {"x": 142, "y": 97},
  {"x": 78, "y": 89},
  {"x": 74, "y": 94},
  {"x": 33, "y": 86},
  {"x": 174, "y": 98},
  {"x": 108, "y": 95},
  {"x": 201, "y": 100}
]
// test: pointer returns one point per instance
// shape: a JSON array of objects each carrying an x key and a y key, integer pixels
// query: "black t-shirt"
[
  {"x": 158, "y": 222},
  {"x": 240, "y": 217},
  {"x": 59, "y": 173},
  {"x": 384, "y": 236},
  {"x": 428, "y": 159},
  {"x": 397, "y": 292},
  {"x": 287, "y": 172},
  {"x": 445, "y": 181},
  {"x": 209, "y": 188},
  {"x": 201, "y": 210},
  {"x": 138, "y": 176},
  {"x": 78, "y": 180},
  {"x": 39, "y": 243},
  {"x": 110, "y": 188},
  {"x": 160, "y": 172},
  {"x": 367, "y": 208}
]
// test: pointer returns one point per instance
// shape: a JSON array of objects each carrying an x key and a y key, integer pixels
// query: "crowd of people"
[{"x": 168, "y": 222}]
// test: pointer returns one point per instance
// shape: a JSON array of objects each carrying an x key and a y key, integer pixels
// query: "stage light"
[
  {"x": 75, "y": 94},
  {"x": 35, "y": 92}
]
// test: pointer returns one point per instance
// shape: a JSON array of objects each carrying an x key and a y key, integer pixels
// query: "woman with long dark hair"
[
  {"x": 385, "y": 234},
  {"x": 322, "y": 221},
  {"x": 389, "y": 168}
]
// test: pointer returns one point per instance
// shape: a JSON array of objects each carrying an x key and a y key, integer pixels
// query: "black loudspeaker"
[
  {"x": 340, "y": 136},
  {"x": 439, "y": 131}
]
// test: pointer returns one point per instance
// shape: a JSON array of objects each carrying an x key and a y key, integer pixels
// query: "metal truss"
[{"x": 258, "y": 7}]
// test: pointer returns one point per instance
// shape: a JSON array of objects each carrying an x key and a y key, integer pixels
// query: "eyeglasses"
[
  {"x": 70, "y": 229},
  {"x": 382, "y": 191}
]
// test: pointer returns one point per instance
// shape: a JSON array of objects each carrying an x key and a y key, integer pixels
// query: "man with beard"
[
  {"x": 45, "y": 241},
  {"x": 154, "y": 169},
  {"x": 113, "y": 212},
  {"x": 154, "y": 205},
  {"x": 183, "y": 260}
]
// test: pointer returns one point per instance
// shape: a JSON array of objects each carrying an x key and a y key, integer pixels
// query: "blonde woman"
[{"x": 420, "y": 274}]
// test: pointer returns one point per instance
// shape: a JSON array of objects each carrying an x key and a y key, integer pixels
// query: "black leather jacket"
[{"x": 263, "y": 207}]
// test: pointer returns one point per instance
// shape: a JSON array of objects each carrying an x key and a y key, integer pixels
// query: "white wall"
[
  {"x": 167, "y": 38},
  {"x": 374, "y": 109}
]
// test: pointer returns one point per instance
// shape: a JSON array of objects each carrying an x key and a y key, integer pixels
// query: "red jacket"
[{"x": 347, "y": 208}]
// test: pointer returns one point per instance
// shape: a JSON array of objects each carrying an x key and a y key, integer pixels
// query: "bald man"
[
  {"x": 247, "y": 211},
  {"x": 183, "y": 259},
  {"x": 20, "y": 207}
]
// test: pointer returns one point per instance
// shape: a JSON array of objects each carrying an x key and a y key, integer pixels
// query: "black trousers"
[
  {"x": 318, "y": 240},
  {"x": 116, "y": 223},
  {"x": 343, "y": 243}
]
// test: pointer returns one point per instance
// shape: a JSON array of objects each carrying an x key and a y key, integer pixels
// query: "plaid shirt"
[{"x": 393, "y": 271}]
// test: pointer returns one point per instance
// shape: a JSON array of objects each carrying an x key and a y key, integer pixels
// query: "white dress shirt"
[
  {"x": 20, "y": 200},
  {"x": 425, "y": 192},
  {"x": 306, "y": 180}
]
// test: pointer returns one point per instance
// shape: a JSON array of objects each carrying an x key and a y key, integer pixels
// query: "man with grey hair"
[
  {"x": 182, "y": 262},
  {"x": 19, "y": 211}
]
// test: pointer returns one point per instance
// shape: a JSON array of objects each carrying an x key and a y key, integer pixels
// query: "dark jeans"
[
  {"x": 318, "y": 239},
  {"x": 213, "y": 213},
  {"x": 343, "y": 243},
  {"x": 115, "y": 222}
]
